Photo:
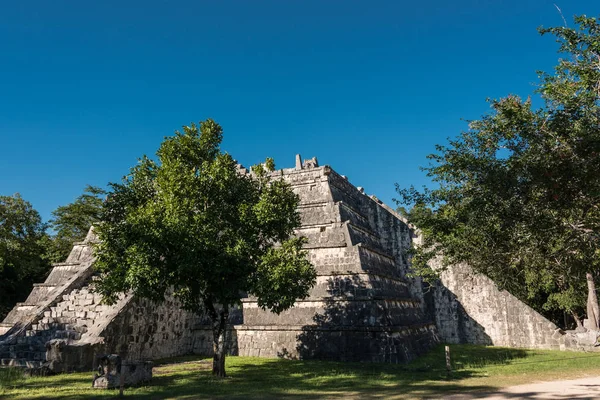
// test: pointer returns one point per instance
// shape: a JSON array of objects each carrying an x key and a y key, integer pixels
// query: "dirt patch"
[{"x": 584, "y": 389}]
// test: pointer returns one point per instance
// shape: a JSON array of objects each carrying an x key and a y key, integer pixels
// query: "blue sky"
[{"x": 369, "y": 88}]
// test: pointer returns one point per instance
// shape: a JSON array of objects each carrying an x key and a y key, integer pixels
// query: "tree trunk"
[
  {"x": 220, "y": 342},
  {"x": 593, "y": 311}
]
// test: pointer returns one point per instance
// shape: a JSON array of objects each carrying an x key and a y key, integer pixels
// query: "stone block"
[{"x": 111, "y": 371}]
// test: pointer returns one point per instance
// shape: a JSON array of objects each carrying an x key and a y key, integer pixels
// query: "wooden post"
[{"x": 448, "y": 363}]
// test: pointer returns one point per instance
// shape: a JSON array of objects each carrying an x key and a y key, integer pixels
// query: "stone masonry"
[
  {"x": 364, "y": 306},
  {"x": 469, "y": 308}
]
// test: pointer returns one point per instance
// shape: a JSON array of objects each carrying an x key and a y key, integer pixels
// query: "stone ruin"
[
  {"x": 114, "y": 373},
  {"x": 364, "y": 306}
]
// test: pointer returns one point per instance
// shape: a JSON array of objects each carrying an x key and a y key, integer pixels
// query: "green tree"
[
  {"x": 192, "y": 222},
  {"x": 23, "y": 242},
  {"x": 72, "y": 222},
  {"x": 519, "y": 191}
]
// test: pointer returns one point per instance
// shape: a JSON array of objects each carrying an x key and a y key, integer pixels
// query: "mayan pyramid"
[{"x": 364, "y": 306}]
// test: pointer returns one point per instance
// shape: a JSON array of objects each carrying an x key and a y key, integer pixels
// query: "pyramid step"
[
  {"x": 63, "y": 272},
  {"x": 56, "y": 331},
  {"x": 5, "y": 327},
  {"x": 42, "y": 331},
  {"x": 26, "y": 306},
  {"x": 62, "y": 324},
  {"x": 45, "y": 285},
  {"x": 66, "y": 264},
  {"x": 39, "y": 294},
  {"x": 67, "y": 324}
]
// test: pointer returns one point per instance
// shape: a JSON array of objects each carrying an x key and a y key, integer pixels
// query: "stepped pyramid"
[
  {"x": 63, "y": 325},
  {"x": 363, "y": 307},
  {"x": 47, "y": 313}
]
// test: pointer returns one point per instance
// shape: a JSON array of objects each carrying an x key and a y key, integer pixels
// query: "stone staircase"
[
  {"x": 62, "y": 326},
  {"x": 56, "y": 309},
  {"x": 71, "y": 319}
]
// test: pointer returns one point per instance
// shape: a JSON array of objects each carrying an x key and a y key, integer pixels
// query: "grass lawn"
[{"x": 476, "y": 368}]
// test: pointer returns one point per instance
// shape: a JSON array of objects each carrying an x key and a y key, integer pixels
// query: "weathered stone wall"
[
  {"x": 469, "y": 308},
  {"x": 343, "y": 343},
  {"x": 144, "y": 330},
  {"x": 268, "y": 341}
]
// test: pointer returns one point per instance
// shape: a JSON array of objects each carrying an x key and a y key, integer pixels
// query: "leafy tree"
[
  {"x": 519, "y": 191},
  {"x": 72, "y": 222},
  {"x": 192, "y": 222},
  {"x": 22, "y": 247}
]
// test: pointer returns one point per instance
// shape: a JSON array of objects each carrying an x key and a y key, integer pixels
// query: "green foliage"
[
  {"x": 282, "y": 276},
  {"x": 193, "y": 222},
  {"x": 23, "y": 242},
  {"x": 72, "y": 222},
  {"x": 518, "y": 196}
]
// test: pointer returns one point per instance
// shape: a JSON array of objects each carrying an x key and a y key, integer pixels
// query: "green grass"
[{"x": 476, "y": 368}]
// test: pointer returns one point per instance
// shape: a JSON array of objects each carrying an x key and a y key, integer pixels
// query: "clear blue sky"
[{"x": 368, "y": 87}]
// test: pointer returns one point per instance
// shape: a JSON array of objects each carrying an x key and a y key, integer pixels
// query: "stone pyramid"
[{"x": 364, "y": 306}]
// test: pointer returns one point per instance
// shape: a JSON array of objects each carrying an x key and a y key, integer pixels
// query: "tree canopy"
[
  {"x": 518, "y": 193},
  {"x": 193, "y": 222},
  {"x": 23, "y": 243}
]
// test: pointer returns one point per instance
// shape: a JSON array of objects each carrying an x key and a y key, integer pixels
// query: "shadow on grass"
[
  {"x": 256, "y": 378},
  {"x": 468, "y": 356},
  {"x": 253, "y": 378}
]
